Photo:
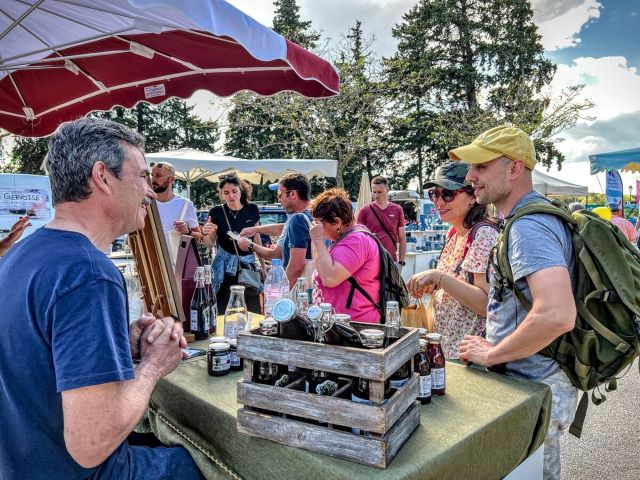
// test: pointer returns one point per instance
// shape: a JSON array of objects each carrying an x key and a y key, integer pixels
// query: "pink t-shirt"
[
  {"x": 393, "y": 218},
  {"x": 358, "y": 254},
  {"x": 625, "y": 227}
]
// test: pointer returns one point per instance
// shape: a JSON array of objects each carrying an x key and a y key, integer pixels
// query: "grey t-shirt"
[{"x": 536, "y": 242}]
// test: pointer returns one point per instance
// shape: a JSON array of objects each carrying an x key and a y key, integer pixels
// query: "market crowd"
[{"x": 77, "y": 375}]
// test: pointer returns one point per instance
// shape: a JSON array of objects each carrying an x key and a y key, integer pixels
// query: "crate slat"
[
  {"x": 332, "y": 410},
  {"x": 377, "y": 452},
  {"x": 375, "y": 364}
]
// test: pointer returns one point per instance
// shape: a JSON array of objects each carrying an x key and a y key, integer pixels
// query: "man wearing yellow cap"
[{"x": 541, "y": 258}]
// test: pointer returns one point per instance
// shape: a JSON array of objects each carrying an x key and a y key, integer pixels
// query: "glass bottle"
[
  {"x": 291, "y": 325},
  {"x": 270, "y": 373},
  {"x": 301, "y": 287},
  {"x": 422, "y": 366},
  {"x": 276, "y": 286},
  {"x": 392, "y": 324},
  {"x": 199, "y": 308},
  {"x": 436, "y": 359},
  {"x": 302, "y": 303},
  {"x": 235, "y": 316},
  {"x": 317, "y": 381},
  {"x": 330, "y": 335},
  {"x": 211, "y": 297}
]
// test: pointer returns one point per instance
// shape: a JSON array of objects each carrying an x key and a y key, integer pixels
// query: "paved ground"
[{"x": 610, "y": 443}]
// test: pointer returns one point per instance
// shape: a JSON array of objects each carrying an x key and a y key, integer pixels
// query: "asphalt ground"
[{"x": 610, "y": 444}]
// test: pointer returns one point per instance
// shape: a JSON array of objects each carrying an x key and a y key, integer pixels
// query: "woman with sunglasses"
[
  {"x": 459, "y": 285},
  {"x": 235, "y": 213}
]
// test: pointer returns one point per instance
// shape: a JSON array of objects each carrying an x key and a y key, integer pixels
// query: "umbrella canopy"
[
  {"x": 364, "y": 193},
  {"x": 548, "y": 185},
  {"x": 61, "y": 60},
  {"x": 192, "y": 165},
  {"x": 625, "y": 160}
]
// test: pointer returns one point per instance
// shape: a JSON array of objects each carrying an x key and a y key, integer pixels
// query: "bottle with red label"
[{"x": 436, "y": 359}]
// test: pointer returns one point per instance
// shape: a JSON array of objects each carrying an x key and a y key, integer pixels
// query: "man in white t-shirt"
[{"x": 173, "y": 214}]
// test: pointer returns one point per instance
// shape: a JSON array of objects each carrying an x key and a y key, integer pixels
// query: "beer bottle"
[{"x": 199, "y": 308}]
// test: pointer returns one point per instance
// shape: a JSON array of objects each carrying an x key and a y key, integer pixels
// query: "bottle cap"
[
  {"x": 283, "y": 310},
  {"x": 314, "y": 312},
  {"x": 372, "y": 338},
  {"x": 326, "y": 307},
  {"x": 392, "y": 304},
  {"x": 233, "y": 342},
  {"x": 434, "y": 337},
  {"x": 218, "y": 340},
  {"x": 341, "y": 318},
  {"x": 218, "y": 347},
  {"x": 268, "y": 326},
  {"x": 275, "y": 262}
]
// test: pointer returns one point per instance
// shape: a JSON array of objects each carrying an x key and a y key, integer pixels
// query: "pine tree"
[{"x": 463, "y": 66}]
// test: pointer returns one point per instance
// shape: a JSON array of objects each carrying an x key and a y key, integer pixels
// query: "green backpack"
[{"x": 605, "y": 339}]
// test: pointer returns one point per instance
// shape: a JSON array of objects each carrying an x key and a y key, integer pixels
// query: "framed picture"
[{"x": 160, "y": 291}]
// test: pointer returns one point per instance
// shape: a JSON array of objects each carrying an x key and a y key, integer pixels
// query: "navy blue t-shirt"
[
  {"x": 64, "y": 324},
  {"x": 297, "y": 235}
]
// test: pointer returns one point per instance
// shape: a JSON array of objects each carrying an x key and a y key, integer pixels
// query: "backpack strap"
[{"x": 384, "y": 227}]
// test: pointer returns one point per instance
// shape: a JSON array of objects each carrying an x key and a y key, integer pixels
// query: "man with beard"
[
  {"x": 541, "y": 258},
  {"x": 176, "y": 212}
]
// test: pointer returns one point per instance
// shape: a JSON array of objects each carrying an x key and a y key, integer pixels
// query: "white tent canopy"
[
  {"x": 547, "y": 185},
  {"x": 192, "y": 165}
]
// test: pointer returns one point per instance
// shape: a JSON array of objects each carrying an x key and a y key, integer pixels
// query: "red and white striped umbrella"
[{"x": 61, "y": 59}]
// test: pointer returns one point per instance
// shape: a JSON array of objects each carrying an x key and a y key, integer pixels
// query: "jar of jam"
[
  {"x": 218, "y": 359},
  {"x": 372, "y": 338},
  {"x": 436, "y": 360},
  {"x": 268, "y": 327},
  {"x": 422, "y": 366},
  {"x": 236, "y": 361}
]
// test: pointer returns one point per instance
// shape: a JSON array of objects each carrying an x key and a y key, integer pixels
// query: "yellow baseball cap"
[{"x": 511, "y": 142}]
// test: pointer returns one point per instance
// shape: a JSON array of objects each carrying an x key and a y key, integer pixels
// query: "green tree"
[
  {"x": 254, "y": 126},
  {"x": 463, "y": 66},
  {"x": 27, "y": 156}
]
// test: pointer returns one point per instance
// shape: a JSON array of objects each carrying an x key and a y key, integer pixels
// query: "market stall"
[{"x": 484, "y": 427}]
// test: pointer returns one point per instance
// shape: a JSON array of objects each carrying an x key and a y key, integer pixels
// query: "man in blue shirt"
[
  {"x": 294, "y": 245},
  {"x": 70, "y": 393}
]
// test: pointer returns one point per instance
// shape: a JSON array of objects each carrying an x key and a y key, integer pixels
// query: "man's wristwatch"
[
  {"x": 189, "y": 232},
  {"x": 402, "y": 262}
]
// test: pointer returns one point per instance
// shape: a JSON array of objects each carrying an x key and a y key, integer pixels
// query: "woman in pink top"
[{"x": 352, "y": 254}]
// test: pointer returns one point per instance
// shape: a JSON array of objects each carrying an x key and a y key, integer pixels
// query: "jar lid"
[
  {"x": 233, "y": 342},
  {"x": 371, "y": 337},
  {"x": 268, "y": 323},
  {"x": 218, "y": 340},
  {"x": 423, "y": 343},
  {"x": 423, "y": 332},
  {"x": 218, "y": 347},
  {"x": 434, "y": 337},
  {"x": 283, "y": 310},
  {"x": 314, "y": 312}
]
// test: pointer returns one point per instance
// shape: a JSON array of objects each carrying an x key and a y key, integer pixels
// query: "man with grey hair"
[{"x": 71, "y": 393}]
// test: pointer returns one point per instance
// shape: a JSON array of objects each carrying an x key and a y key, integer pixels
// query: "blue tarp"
[{"x": 626, "y": 160}]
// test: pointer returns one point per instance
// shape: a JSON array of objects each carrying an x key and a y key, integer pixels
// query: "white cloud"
[
  {"x": 560, "y": 22},
  {"x": 610, "y": 82}
]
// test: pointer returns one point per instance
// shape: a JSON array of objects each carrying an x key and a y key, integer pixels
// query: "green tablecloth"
[{"x": 484, "y": 427}]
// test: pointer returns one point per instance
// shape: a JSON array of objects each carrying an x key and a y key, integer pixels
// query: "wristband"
[
  {"x": 402, "y": 262},
  {"x": 189, "y": 232}
]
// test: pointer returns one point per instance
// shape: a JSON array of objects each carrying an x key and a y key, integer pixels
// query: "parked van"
[{"x": 22, "y": 195}]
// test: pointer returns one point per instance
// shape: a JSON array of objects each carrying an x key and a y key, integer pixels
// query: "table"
[{"x": 484, "y": 427}]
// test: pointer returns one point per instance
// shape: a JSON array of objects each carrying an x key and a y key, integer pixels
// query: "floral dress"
[{"x": 452, "y": 319}]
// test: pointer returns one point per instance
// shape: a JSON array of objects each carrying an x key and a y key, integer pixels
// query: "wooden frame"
[{"x": 158, "y": 284}]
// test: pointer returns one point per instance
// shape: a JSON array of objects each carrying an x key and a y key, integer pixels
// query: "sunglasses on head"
[{"x": 446, "y": 194}]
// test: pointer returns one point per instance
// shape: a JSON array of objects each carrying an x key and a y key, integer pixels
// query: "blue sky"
[{"x": 596, "y": 42}]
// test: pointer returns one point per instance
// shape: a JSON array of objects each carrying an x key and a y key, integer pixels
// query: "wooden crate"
[{"x": 323, "y": 423}]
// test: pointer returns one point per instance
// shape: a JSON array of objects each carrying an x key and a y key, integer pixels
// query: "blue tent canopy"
[{"x": 627, "y": 160}]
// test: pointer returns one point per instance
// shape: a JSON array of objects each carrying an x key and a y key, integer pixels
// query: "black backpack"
[{"x": 392, "y": 286}]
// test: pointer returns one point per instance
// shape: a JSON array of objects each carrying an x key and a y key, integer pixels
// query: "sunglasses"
[
  {"x": 286, "y": 192},
  {"x": 446, "y": 194}
]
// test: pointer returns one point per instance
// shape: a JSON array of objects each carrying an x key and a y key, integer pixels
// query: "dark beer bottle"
[
  {"x": 199, "y": 308},
  {"x": 211, "y": 300}
]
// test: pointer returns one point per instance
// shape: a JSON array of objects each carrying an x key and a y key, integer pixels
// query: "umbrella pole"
[{"x": 188, "y": 189}]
